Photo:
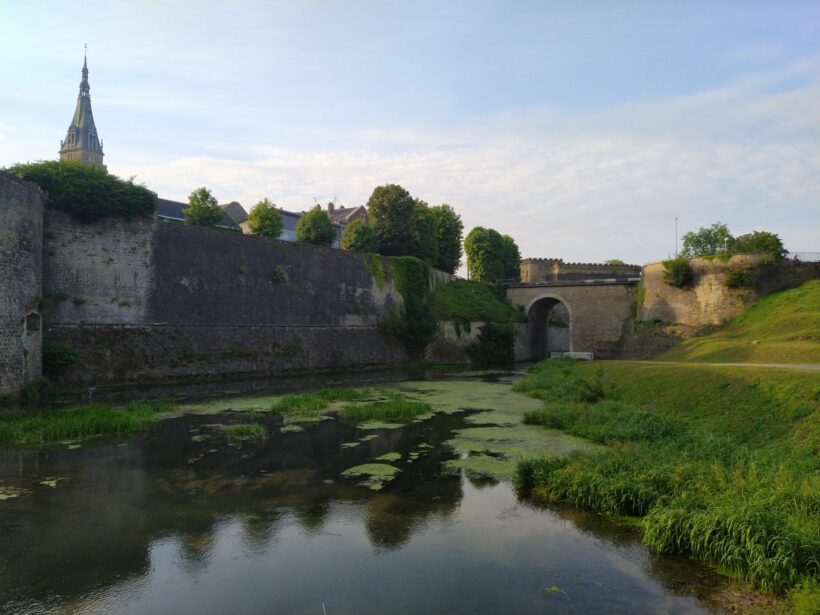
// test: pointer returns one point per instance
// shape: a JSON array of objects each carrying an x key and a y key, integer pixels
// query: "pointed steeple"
[{"x": 81, "y": 141}]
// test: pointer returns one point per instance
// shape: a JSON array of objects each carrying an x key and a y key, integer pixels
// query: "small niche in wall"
[{"x": 33, "y": 322}]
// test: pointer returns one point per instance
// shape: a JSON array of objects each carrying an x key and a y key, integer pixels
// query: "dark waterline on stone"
[{"x": 179, "y": 521}]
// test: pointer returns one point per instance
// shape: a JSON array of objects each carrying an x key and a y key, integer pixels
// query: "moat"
[{"x": 180, "y": 520}]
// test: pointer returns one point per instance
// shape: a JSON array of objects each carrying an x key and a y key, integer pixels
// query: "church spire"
[{"x": 81, "y": 141}]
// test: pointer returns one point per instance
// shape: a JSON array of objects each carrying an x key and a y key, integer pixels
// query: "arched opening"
[
  {"x": 550, "y": 326},
  {"x": 33, "y": 323}
]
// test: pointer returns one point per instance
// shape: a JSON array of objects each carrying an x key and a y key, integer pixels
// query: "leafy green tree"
[
  {"x": 360, "y": 237},
  {"x": 615, "y": 261},
  {"x": 264, "y": 219},
  {"x": 390, "y": 210},
  {"x": 315, "y": 227},
  {"x": 449, "y": 229},
  {"x": 87, "y": 192},
  {"x": 202, "y": 210},
  {"x": 707, "y": 241},
  {"x": 761, "y": 242},
  {"x": 423, "y": 233},
  {"x": 485, "y": 254},
  {"x": 510, "y": 258}
]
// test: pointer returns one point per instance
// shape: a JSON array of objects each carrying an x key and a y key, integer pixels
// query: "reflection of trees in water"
[
  {"x": 394, "y": 518},
  {"x": 259, "y": 529},
  {"x": 480, "y": 481}
]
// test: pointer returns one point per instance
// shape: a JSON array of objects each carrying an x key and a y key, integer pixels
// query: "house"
[
  {"x": 171, "y": 211},
  {"x": 341, "y": 215}
]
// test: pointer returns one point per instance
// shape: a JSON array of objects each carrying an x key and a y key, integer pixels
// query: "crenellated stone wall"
[
  {"x": 21, "y": 254},
  {"x": 540, "y": 270}
]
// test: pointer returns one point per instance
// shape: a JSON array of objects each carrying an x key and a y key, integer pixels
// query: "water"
[{"x": 178, "y": 521}]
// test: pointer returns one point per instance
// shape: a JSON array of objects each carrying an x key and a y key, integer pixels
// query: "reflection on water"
[{"x": 180, "y": 522}]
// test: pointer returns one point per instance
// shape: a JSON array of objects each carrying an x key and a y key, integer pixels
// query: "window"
[{"x": 33, "y": 322}]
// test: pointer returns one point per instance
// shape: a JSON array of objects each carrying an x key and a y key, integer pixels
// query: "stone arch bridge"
[{"x": 573, "y": 316}]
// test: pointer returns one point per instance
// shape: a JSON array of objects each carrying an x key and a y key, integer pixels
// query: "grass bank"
[
  {"x": 721, "y": 464},
  {"x": 781, "y": 328},
  {"x": 77, "y": 423},
  {"x": 469, "y": 301}
]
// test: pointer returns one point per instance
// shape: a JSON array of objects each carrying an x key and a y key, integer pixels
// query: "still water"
[{"x": 179, "y": 521}]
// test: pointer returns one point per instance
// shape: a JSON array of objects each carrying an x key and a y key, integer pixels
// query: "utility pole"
[{"x": 676, "y": 237}]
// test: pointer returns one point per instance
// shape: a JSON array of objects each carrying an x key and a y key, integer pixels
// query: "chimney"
[{"x": 331, "y": 207}]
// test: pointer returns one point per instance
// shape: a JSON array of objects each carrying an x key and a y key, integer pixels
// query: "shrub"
[
  {"x": 87, "y": 192},
  {"x": 736, "y": 278},
  {"x": 57, "y": 358},
  {"x": 494, "y": 346},
  {"x": 678, "y": 272}
]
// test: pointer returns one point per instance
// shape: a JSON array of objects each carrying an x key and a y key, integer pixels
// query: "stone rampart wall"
[
  {"x": 21, "y": 252},
  {"x": 539, "y": 270},
  {"x": 709, "y": 300}
]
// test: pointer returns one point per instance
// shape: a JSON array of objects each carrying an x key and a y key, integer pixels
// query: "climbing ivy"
[{"x": 416, "y": 325}]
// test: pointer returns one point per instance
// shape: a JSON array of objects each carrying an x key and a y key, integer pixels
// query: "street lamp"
[{"x": 676, "y": 237}]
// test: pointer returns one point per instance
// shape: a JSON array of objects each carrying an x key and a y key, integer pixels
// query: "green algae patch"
[
  {"x": 246, "y": 432},
  {"x": 380, "y": 425},
  {"x": 314, "y": 404},
  {"x": 50, "y": 481},
  {"x": 375, "y": 475},
  {"x": 239, "y": 404},
  {"x": 389, "y": 457},
  {"x": 368, "y": 437},
  {"x": 8, "y": 492},
  {"x": 396, "y": 408},
  {"x": 350, "y": 444},
  {"x": 292, "y": 428}
]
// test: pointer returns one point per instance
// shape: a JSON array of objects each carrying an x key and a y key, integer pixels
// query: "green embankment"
[
  {"x": 781, "y": 328},
  {"x": 720, "y": 463},
  {"x": 468, "y": 301}
]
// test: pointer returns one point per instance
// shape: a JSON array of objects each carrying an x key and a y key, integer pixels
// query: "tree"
[
  {"x": 761, "y": 242},
  {"x": 423, "y": 233},
  {"x": 360, "y": 237},
  {"x": 391, "y": 209},
  {"x": 510, "y": 258},
  {"x": 202, "y": 209},
  {"x": 485, "y": 254},
  {"x": 449, "y": 230},
  {"x": 264, "y": 219},
  {"x": 715, "y": 239},
  {"x": 615, "y": 261},
  {"x": 315, "y": 227}
]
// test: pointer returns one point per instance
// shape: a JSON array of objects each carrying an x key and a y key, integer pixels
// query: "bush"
[
  {"x": 678, "y": 272},
  {"x": 736, "y": 278},
  {"x": 57, "y": 358},
  {"x": 494, "y": 346},
  {"x": 87, "y": 192}
]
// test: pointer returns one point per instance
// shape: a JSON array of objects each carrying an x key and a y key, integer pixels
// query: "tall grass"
[
  {"x": 314, "y": 403},
  {"x": 396, "y": 409},
  {"x": 246, "y": 432},
  {"x": 76, "y": 423},
  {"x": 723, "y": 481}
]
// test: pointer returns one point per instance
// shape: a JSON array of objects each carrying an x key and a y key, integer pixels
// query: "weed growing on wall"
[
  {"x": 678, "y": 272},
  {"x": 373, "y": 262},
  {"x": 417, "y": 325},
  {"x": 494, "y": 346},
  {"x": 58, "y": 358}
]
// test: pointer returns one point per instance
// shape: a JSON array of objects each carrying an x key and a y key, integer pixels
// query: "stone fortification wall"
[
  {"x": 147, "y": 300},
  {"x": 540, "y": 270},
  {"x": 21, "y": 252},
  {"x": 709, "y": 300}
]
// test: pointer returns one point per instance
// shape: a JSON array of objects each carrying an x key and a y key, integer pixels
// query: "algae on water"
[{"x": 374, "y": 475}]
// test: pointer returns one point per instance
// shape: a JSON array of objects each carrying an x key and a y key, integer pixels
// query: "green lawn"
[{"x": 781, "y": 328}]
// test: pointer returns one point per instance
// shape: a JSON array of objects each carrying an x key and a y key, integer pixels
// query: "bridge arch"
[{"x": 550, "y": 325}]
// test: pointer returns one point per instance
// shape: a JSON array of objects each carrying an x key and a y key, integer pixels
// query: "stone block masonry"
[
  {"x": 21, "y": 250},
  {"x": 149, "y": 300}
]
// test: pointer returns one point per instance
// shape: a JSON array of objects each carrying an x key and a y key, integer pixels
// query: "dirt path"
[{"x": 807, "y": 368}]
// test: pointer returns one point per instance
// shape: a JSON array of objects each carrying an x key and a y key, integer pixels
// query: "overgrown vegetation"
[
  {"x": 726, "y": 471},
  {"x": 57, "y": 358},
  {"x": 314, "y": 403},
  {"x": 417, "y": 325},
  {"x": 246, "y": 432},
  {"x": 781, "y": 328},
  {"x": 678, "y": 272},
  {"x": 87, "y": 192},
  {"x": 469, "y": 301},
  {"x": 495, "y": 346},
  {"x": 395, "y": 408},
  {"x": 78, "y": 423}
]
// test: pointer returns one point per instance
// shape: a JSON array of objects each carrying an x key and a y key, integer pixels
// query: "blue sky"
[{"x": 581, "y": 128}]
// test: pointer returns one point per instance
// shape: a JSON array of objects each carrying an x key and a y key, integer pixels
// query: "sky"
[{"x": 582, "y": 129}]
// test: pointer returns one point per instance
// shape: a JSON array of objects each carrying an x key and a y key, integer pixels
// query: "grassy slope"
[
  {"x": 721, "y": 463},
  {"x": 471, "y": 301},
  {"x": 781, "y": 328}
]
